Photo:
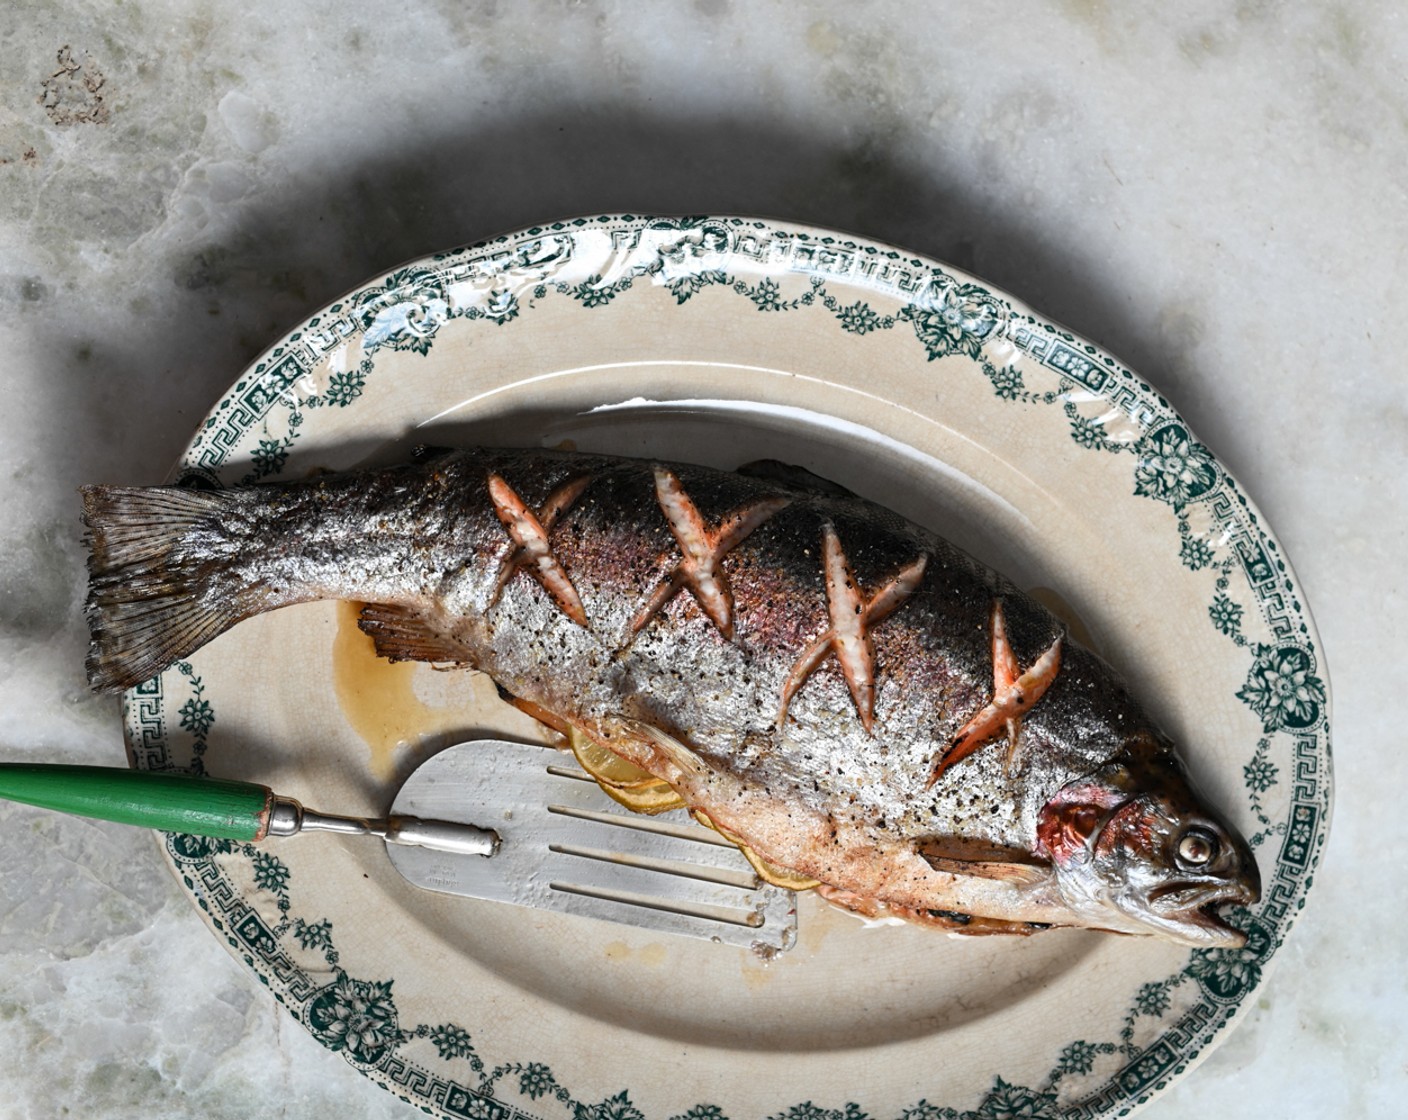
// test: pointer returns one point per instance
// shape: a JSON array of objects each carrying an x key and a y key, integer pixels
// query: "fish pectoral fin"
[
  {"x": 668, "y": 747},
  {"x": 1020, "y": 874},
  {"x": 983, "y": 861},
  {"x": 404, "y": 635}
]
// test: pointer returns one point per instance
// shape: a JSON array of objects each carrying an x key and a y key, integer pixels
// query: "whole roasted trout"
[{"x": 857, "y": 703}]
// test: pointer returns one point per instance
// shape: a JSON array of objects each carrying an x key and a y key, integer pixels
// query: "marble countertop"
[{"x": 1213, "y": 192}]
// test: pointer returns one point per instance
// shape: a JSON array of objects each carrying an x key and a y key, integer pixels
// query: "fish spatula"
[{"x": 484, "y": 819}]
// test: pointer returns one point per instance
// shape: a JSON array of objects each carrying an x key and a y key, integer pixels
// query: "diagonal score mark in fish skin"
[
  {"x": 700, "y": 568},
  {"x": 852, "y": 618},
  {"x": 1014, "y": 694},
  {"x": 530, "y": 550}
]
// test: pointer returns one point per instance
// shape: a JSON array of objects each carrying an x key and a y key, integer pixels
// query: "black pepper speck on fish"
[{"x": 856, "y": 702}]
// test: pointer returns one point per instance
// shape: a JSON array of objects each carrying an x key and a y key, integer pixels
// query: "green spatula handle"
[{"x": 170, "y": 802}]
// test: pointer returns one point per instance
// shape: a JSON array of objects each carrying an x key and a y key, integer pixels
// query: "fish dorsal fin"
[
  {"x": 425, "y": 452},
  {"x": 794, "y": 477},
  {"x": 982, "y": 861},
  {"x": 403, "y": 635}
]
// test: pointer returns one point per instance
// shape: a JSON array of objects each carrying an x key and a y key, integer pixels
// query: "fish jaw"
[
  {"x": 1136, "y": 850},
  {"x": 1189, "y": 913},
  {"x": 1185, "y": 912}
]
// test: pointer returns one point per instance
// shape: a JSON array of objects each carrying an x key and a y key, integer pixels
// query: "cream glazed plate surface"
[{"x": 720, "y": 341}]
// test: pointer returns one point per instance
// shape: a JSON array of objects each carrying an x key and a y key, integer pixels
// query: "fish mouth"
[{"x": 1193, "y": 911}]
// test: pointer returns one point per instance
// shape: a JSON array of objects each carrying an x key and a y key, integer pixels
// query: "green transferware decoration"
[{"x": 721, "y": 340}]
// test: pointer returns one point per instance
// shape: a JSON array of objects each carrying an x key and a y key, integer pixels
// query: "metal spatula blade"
[{"x": 564, "y": 845}]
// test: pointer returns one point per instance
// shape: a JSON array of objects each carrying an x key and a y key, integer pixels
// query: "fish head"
[{"x": 1136, "y": 849}]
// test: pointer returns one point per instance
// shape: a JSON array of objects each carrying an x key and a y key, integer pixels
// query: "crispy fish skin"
[{"x": 796, "y": 662}]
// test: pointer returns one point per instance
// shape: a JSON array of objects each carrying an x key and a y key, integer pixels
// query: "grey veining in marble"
[{"x": 1214, "y": 191}]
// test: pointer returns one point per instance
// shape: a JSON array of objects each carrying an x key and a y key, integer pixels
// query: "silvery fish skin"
[{"x": 854, "y": 698}]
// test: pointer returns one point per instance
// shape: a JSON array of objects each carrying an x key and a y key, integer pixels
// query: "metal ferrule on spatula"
[{"x": 288, "y": 817}]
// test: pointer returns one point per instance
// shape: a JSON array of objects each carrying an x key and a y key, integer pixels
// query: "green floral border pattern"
[{"x": 949, "y": 316}]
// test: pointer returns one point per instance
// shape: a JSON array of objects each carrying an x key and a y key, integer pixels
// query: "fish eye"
[{"x": 1197, "y": 847}]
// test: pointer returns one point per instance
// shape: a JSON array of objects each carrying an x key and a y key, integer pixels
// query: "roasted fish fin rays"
[
  {"x": 148, "y": 603},
  {"x": 957, "y": 856},
  {"x": 1017, "y": 873},
  {"x": 669, "y": 748},
  {"x": 401, "y": 634},
  {"x": 794, "y": 477}
]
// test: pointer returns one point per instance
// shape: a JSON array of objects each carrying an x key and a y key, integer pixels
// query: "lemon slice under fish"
[
  {"x": 607, "y": 766},
  {"x": 649, "y": 800},
  {"x": 636, "y": 789}
]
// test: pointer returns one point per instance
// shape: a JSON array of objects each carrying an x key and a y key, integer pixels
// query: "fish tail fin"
[{"x": 148, "y": 589}]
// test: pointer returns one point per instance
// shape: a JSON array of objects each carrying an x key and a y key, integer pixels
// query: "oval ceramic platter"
[{"x": 719, "y": 341}]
